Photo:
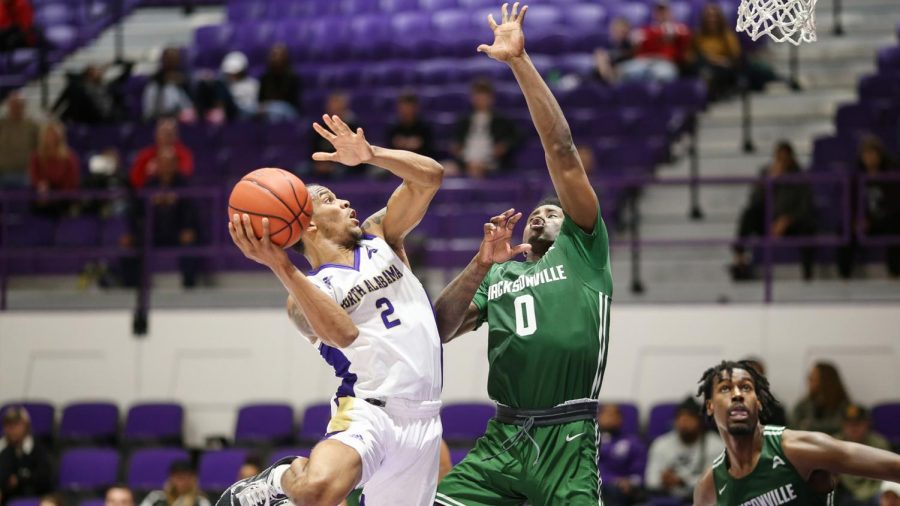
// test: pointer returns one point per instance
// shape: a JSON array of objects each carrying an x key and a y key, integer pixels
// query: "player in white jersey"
[{"x": 372, "y": 321}]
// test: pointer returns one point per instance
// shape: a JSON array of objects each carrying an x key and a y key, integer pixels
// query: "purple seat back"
[
  {"x": 149, "y": 468},
  {"x": 155, "y": 421},
  {"x": 280, "y": 453},
  {"x": 661, "y": 417},
  {"x": 218, "y": 469},
  {"x": 315, "y": 422},
  {"x": 89, "y": 421},
  {"x": 264, "y": 422},
  {"x": 88, "y": 469},
  {"x": 24, "y": 501},
  {"x": 41, "y": 414},
  {"x": 78, "y": 232},
  {"x": 466, "y": 421},
  {"x": 886, "y": 421}
]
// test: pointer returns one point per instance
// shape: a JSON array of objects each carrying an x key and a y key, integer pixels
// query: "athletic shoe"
[{"x": 257, "y": 490}]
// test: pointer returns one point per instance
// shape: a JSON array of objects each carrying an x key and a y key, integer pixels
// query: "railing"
[{"x": 456, "y": 194}]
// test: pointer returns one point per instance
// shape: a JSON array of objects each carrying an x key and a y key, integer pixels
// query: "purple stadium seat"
[
  {"x": 437, "y": 5},
  {"x": 93, "y": 502},
  {"x": 689, "y": 94},
  {"x": 832, "y": 154},
  {"x": 458, "y": 454},
  {"x": 392, "y": 6},
  {"x": 89, "y": 421},
  {"x": 280, "y": 453},
  {"x": 853, "y": 119},
  {"x": 543, "y": 16},
  {"x": 886, "y": 421},
  {"x": 54, "y": 14},
  {"x": 159, "y": 423},
  {"x": 218, "y": 469},
  {"x": 661, "y": 417},
  {"x": 637, "y": 14},
  {"x": 466, "y": 421},
  {"x": 88, "y": 469},
  {"x": 80, "y": 232},
  {"x": 241, "y": 12},
  {"x": 41, "y": 414},
  {"x": 265, "y": 423},
  {"x": 682, "y": 12},
  {"x": 24, "y": 501},
  {"x": 584, "y": 17},
  {"x": 476, "y": 4},
  {"x": 148, "y": 468},
  {"x": 879, "y": 87},
  {"x": 889, "y": 59},
  {"x": 357, "y": 7},
  {"x": 315, "y": 422},
  {"x": 30, "y": 232}
]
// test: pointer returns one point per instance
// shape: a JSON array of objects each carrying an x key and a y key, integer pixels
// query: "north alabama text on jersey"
[
  {"x": 548, "y": 275},
  {"x": 355, "y": 294}
]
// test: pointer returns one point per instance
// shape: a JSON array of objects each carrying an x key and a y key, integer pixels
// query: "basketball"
[{"x": 275, "y": 194}]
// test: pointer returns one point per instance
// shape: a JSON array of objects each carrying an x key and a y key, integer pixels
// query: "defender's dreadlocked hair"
[{"x": 761, "y": 385}]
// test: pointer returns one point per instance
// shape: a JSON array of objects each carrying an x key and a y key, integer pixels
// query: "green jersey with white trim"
[
  {"x": 548, "y": 321},
  {"x": 774, "y": 480}
]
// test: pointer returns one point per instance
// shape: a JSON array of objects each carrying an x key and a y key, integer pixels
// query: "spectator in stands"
[
  {"x": 144, "y": 164},
  {"x": 25, "y": 468},
  {"x": 881, "y": 207},
  {"x": 87, "y": 98},
  {"x": 485, "y": 140},
  {"x": 119, "y": 495},
  {"x": 776, "y": 414},
  {"x": 792, "y": 208},
  {"x": 718, "y": 52},
  {"x": 679, "y": 458},
  {"x": 53, "y": 167},
  {"x": 251, "y": 467},
  {"x": 620, "y": 49},
  {"x": 279, "y": 87},
  {"x": 52, "y": 500},
  {"x": 410, "y": 132},
  {"x": 825, "y": 401},
  {"x": 16, "y": 25},
  {"x": 855, "y": 427},
  {"x": 174, "y": 216},
  {"x": 242, "y": 89},
  {"x": 663, "y": 49},
  {"x": 622, "y": 459},
  {"x": 890, "y": 494},
  {"x": 168, "y": 95},
  {"x": 180, "y": 488},
  {"x": 337, "y": 104},
  {"x": 18, "y": 140}
]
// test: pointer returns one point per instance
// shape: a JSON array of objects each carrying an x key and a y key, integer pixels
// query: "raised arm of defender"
[
  {"x": 421, "y": 177},
  {"x": 814, "y": 451},
  {"x": 574, "y": 189}
]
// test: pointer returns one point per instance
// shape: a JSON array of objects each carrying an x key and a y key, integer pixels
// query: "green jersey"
[
  {"x": 774, "y": 480},
  {"x": 548, "y": 321}
]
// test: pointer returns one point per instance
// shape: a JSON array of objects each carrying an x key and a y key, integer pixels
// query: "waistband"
[
  {"x": 557, "y": 415},
  {"x": 407, "y": 408}
]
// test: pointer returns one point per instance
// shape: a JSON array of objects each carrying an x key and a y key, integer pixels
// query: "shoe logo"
[
  {"x": 723, "y": 489},
  {"x": 571, "y": 438},
  {"x": 777, "y": 462}
]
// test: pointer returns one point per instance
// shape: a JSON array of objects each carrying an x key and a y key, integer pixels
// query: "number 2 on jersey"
[
  {"x": 526, "y": 323},
  {"x": 388, "y": 311}
]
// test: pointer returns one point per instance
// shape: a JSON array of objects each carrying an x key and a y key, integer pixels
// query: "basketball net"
[{"x": 793, "y": 21}]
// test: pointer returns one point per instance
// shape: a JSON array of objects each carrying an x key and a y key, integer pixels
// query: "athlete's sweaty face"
[
  {"x": 542, "y": 228},
  {"x": 334, "y": 218},
  {"x": 734, "y": 404}
]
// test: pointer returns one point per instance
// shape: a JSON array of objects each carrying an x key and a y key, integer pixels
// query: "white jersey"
[{"x": 398, "y": 351}]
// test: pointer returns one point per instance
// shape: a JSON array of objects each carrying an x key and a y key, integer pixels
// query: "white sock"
[{"x": 276, "y": 475}]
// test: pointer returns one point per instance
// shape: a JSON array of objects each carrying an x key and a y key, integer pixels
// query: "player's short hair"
[
  {"x": 761, "y": 384},
  {"x": 549, "y": 200},
  {"x": 311, "y": 190},
  {"x": 482, "y": 85}
]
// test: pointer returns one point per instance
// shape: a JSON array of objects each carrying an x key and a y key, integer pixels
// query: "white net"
[{"x": 793, "y": 21}]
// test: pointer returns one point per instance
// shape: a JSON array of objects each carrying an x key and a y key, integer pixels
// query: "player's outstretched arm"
[
  {"x": 454, "y": 310},
  {"x": 422, "y": 176},
  {"x": 812, "y": 451},
  {"x": 566, "y": 170},
  {"x": 705, "y": 491},
  {"x": 327, "y": 320}
]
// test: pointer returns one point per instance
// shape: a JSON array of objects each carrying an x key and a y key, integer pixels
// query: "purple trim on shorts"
[{"x": 341, "y": 365}]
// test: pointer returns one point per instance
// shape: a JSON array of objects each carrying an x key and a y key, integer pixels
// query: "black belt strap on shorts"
[
  {"x": 528, "y": 418},
  {"x": 556, "y": 415}
]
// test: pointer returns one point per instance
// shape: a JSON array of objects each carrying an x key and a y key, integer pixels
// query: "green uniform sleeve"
[
  {"x": 480, "y": 299},
  {"x": 592, "y": 248}
]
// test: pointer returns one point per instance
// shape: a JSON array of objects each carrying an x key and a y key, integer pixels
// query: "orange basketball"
[{"x": 275, "y": 194}]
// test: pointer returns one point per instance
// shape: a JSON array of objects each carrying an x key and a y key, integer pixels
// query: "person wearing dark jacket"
[
  {"x": 88, "y": 99},
  {"x": 279, "y": 87},
  {"x": 880, "y": 208},
  {"x": 792, "y": 211},
  {"x": 485, "y": 141},
  {"x": 25, "y": 468}
]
